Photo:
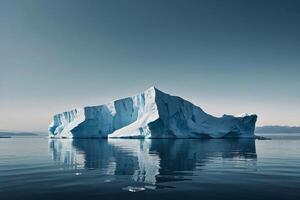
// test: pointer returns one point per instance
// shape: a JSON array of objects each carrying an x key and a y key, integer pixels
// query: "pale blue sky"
[{"x": 225, "y": 56}]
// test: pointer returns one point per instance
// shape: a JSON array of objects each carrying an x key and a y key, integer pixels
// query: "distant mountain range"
[
  {"x": 277, "y": 129},
  {"x": 7, "y": 133}
]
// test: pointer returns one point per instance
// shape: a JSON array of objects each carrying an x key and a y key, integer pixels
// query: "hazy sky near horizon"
[{"x": 228, "y": 56}]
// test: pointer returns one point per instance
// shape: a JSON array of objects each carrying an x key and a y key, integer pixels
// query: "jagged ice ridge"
[{"x": 151, "y": 114}]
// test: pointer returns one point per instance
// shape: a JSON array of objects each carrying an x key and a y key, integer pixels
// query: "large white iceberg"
[{"x": 151, "y": 114}]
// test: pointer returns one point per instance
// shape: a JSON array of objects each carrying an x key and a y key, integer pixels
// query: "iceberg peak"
[
  {"x": 150, "y": 114},
  {"x": 154, "y": 90}
]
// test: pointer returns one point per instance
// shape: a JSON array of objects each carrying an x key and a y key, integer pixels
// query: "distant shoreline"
[
  {"x": 270, "y": 129},
  {"x": 277, "y": 129}
]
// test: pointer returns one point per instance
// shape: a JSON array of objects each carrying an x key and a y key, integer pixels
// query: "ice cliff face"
[{"x": 151, "y": 114}]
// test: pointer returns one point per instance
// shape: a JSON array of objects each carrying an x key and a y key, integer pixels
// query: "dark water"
[{"x": 41, "y": 168}]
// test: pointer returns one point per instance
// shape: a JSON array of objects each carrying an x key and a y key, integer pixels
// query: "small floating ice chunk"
[
  {"x": 134, "y": 189},
  {"x": 150, "y": 187}
]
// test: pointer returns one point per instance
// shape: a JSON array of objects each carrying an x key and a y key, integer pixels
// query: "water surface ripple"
[{"x": 42, "y": 168}]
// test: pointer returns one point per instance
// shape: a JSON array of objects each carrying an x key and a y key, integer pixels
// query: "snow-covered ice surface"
[{"x": 151, "y": 114}]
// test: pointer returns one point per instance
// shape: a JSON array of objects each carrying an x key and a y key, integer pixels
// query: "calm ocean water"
[{"x": 42, "y": 168}]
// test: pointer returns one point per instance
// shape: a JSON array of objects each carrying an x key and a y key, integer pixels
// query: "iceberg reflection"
[{"x": 150, "y": 161}]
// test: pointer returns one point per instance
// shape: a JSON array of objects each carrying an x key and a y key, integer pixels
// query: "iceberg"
[{"x": 151, "y": 114}]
